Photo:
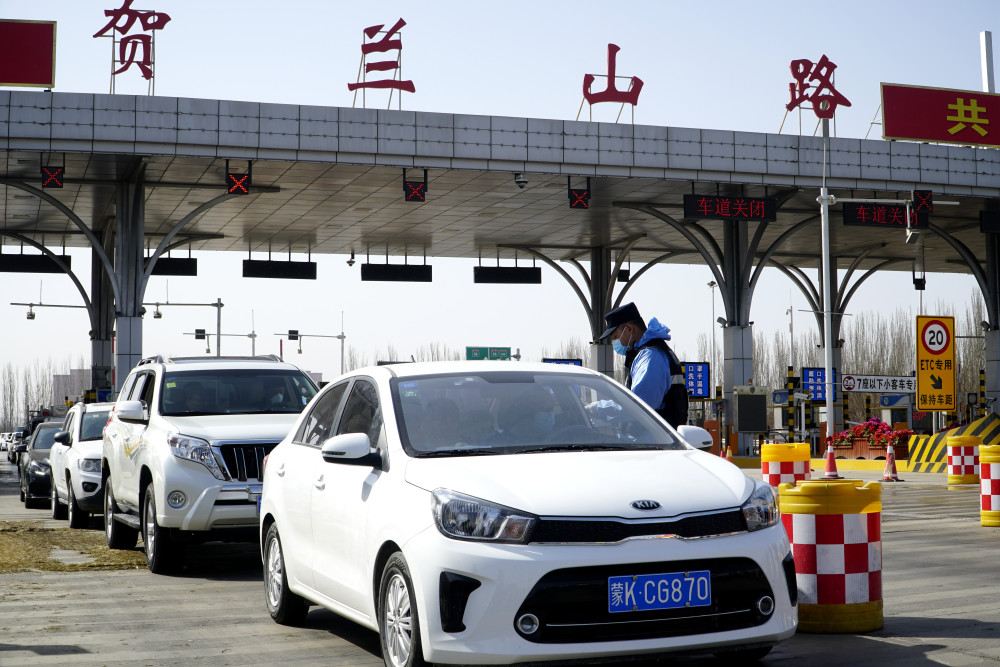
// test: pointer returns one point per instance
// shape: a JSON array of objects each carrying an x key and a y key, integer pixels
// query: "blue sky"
[{"x": 721, "y": 65}]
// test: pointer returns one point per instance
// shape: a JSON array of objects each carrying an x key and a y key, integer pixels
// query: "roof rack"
[
  {"x": 151, "y": 360},
  {"x": 259, "y": 357}
]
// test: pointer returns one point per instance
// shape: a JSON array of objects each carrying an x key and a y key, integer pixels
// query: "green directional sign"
[
  {"x": 476, "y": 353},
  {"x": 500, "y": 353}
]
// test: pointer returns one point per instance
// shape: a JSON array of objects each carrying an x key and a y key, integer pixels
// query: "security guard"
[{"x": 652, "y": 370}]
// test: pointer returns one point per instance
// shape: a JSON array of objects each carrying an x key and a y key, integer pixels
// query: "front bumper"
[
  {"x": 210, "y": 503},
  {"x": 507, "y": 575},
  {"x": 39, "y": 484},
  {"x": 88, "y": 489}
]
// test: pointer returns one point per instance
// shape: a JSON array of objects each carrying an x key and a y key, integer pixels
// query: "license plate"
[{"x": 670, "y": 590}]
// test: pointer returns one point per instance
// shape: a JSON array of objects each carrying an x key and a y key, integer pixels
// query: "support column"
[
  {"x": 129, "y": 233},
  {"x": 992, "y": 298},
  {"x": 602, "y": 358},
  {"x": 102, "y": 338},
  {"x": 737, "y": 336},
  {"x": 834, "y": 423}
]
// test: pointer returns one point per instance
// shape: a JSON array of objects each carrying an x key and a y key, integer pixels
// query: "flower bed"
[{"x": 871, "y": 440}]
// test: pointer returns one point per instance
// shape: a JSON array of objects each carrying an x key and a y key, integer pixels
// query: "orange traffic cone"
[
  {"x": 890, "y": 474},
  {"x": 831, "y": 464},
  {"x": 729, "y": 454}
]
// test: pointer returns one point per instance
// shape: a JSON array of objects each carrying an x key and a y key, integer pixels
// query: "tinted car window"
[
  {"x": 361, "y": 412},
  {"x": 318, "y": 424},
  {"x": 43, "y": 438},
  {"x": 235, "y": 391},
  {"x": 510, "y": 412}
]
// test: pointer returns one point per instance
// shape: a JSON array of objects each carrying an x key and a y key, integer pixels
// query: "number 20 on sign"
[{"x": 935, "y": 363}]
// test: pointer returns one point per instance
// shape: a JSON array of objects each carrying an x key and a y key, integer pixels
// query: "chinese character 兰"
[{"x": 387, "y": 43}]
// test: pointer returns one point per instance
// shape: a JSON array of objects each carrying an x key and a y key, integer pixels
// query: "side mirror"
[
  {"x": 351, "y": 449},
  {"x": 20, "y": 449},
  {"x": 132, "y": 412},
  {"x": 62, "y": 437},
  {"x": 696, "y": 436}
]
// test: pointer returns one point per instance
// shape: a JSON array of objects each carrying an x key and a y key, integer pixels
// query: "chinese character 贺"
[{"x": 129, "y": 46}]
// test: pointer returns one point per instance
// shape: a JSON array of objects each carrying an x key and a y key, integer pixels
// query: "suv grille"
[
  {"x": 569, "y": 531},
  {"x": 245, "y": 462}
]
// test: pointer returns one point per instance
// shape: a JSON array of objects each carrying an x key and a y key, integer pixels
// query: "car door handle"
[
  {"x": 280, "y": 472},
  {"x": 320, "y": 483}
]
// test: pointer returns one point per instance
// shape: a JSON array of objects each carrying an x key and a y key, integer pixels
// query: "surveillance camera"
[
  {"x": 520, "y": 180},
  {"x": 31, "y": 315},
  {"x": 350, "y": 262},
  {"x": 912, "y": 235}
]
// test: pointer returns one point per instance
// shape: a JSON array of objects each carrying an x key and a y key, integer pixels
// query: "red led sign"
[
  {"x": 579, "y": 198},
  {"x": 940, "y": 114},
  {"x": 923, "y": 200},
  {"x": 415, "y": 190},
  {"x": 730, "y": 208},
  {"x": 238, "y": 184},
  {"x": 883, "y": 215},
  {"x": 27, "y": 53},
  {"x": 53, "y": 177}
]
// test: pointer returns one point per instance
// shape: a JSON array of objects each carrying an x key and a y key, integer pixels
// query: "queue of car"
[{"x": 466, "y": 512}]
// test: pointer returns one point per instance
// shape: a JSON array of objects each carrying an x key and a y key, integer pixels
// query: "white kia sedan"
[{"x": 491, "y": 513}]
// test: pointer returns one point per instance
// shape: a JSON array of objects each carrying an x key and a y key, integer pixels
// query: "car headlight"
[
  {"x": 761, "y": 508},
  {"x": 39, "y": 467},
  {"x": 194, "y": 449},
  {"x": 89, "y": 465},
  {"x": 466, "y": 518}
]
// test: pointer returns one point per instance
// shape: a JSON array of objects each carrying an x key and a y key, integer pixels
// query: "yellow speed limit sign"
[{"x": 935, "y": 363}]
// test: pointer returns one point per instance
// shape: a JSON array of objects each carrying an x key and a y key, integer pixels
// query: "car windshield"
[
  {"x": 501, "y": 412},
  {"x": 93, "y": 424},
  {"x": 44, "y": 437},
  {"x": 235, "y": 391}
]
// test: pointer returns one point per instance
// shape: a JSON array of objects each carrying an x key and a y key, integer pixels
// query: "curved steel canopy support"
[
  {"x": 686, "y": 233},
  {"x": 618, "y": 265},
  {"x": 850, "y": 271},
  {"x": 567, "y": 278},
  {"x": 842, "y": 304},
  {"x": 803, "y": 283},
  {"x": 583, "y": 271},
  {"x": 95, "y": 244},
  {"x": 631, "y": 281},
  {"x": 974, "y": 266},
  {"x": 767, "y": 257},
  {"x": 165, "y": 242},
  {"x": 91, "y": 312}
]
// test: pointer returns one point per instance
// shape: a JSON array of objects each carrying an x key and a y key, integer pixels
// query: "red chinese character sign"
[
  {"x": 823, "y": 97},
  {"x": 390, "y": 40},
  {"x": 611, "y": 92},
  {"x": 884, "y": 215},
  {"x": 730, "y": 208},
  {"x": 134, "y": 49},
  {"x": 940, "y": 114}
]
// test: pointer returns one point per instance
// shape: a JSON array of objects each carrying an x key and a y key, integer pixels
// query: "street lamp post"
[
  {"x": 218, "y": 319},
  {"x": 299, "y": 336},
  {"x": 711, "y": 285}
]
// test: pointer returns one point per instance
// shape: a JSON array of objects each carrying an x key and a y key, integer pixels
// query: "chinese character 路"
[
  {"x": 960, "y": 118},
  {"x": 122, "y": 20},
  {"x": 824, "y": 97},
  {"x": 387, "y": 43}
]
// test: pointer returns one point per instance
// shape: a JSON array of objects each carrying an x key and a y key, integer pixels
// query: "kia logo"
[{"x": 645, "y": 505}]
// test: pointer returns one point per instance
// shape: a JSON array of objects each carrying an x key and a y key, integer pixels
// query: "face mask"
[
  {"x": 545, "y": 419},
  {"x": 618, "y": 347}
]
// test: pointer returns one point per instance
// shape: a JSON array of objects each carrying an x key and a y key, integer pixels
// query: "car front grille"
[
  {"x": 572, "y": 604},
  {"x": 245, "y": 462},
  {"x": 572, "y": 531}
]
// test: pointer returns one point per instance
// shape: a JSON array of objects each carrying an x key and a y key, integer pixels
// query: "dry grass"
[{"x": 26, "y": 546}]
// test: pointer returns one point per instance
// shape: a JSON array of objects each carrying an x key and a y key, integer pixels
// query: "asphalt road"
[{"x": 941, "y": 593}]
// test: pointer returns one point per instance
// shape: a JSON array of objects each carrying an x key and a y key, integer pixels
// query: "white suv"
[
  {"x": 76, "y": 464},
  {"x": 184, "y": 448}
]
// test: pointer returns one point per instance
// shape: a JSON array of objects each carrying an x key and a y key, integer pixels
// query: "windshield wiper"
[
  {"x": 576, "y": 448},
  {"x": 459, "y": 451}
]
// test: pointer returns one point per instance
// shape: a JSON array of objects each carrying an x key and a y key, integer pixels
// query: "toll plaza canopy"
[{"x": 141, "y": 175}]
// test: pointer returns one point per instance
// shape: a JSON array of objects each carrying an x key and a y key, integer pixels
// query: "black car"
[{"x": 33, "y": 466}]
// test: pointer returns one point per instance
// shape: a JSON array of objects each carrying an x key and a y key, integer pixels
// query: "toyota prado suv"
[{"x": 184, "y": 450}]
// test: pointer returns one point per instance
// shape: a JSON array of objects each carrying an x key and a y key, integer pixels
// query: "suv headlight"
[
  {"x": 89, "y": 465},
  {"x": 466, "y": 518},
  {"x": 761, "y": 508},
  {"x": 194, "y": 449}
]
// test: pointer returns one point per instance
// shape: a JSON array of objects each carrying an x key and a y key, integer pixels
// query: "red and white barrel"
[
  {"x": 963, "y": 459},
  {"x": 785, "y": 463},
  {"x": 989, "y": 485}
]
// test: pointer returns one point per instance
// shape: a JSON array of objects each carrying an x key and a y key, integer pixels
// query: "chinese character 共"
[
  {"x": 824, "y": 97},
  {"x": 960, "y": 118}
]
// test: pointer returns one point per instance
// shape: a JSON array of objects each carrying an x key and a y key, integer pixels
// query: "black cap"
[{"x": 619, "y": 316}]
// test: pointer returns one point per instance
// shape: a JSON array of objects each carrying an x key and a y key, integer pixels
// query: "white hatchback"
[{"x": 496, "y": 513}]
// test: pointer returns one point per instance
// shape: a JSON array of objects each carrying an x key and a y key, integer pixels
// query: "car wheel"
[
  {"x": 162, "y": 553},
  {"x": 743, "y": 656},
  {"x": 77, "y": 517},
  {"x": 118, "y": 535},
  {"x": 399, "y": 628},
  {"x": 58, "y": 509},
  {"x": 285, "y": 607}
]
